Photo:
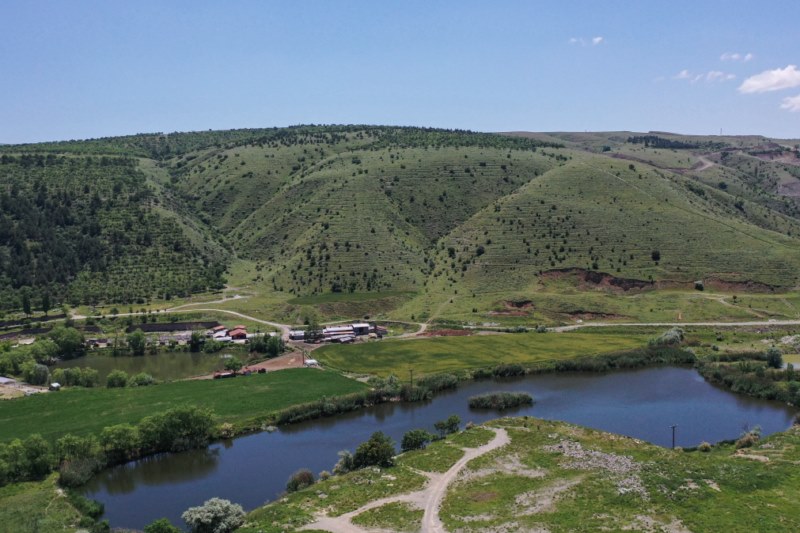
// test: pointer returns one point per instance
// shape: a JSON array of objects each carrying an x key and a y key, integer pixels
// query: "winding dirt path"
[{"x": 430, "y": 498}]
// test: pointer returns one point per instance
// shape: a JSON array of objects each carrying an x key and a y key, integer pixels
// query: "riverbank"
[
  {"x": 641, "y": 402},
  {"x": 554, "y": 476},
  {"x": 242, "y": 401}
]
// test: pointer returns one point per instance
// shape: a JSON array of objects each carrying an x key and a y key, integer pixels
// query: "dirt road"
[
  {"x": 560, "y": 329},
  {"x": 430, "y": 498}
]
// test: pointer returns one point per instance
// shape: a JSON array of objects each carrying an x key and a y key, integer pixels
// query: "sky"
[{"x": 87, "y": 69}]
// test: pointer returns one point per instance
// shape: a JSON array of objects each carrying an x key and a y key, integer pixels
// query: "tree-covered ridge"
[
  {"x": 164, "y": 146},
  {"x": 85, "y": 230}
]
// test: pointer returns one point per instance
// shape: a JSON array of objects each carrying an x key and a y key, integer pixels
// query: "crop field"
[
  {"x": 239, "y": 400},
  {"x": 443, "y": 354}
]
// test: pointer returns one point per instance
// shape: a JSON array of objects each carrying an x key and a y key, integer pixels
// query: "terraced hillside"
[
  {"x": 90, "y": 229},
  {"x": 434, "y": 215}
]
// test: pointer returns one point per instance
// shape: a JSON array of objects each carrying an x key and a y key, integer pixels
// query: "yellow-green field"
[{"x": 443, "y": 354}]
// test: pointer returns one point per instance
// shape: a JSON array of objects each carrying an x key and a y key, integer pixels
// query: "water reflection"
[{"x": 162, "y": 469}]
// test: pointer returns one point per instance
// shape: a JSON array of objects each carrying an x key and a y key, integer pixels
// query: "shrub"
[
  {"x": 324, "y": 475},
  {"x": 415, "y": 393},
  {"x": 500, "y": 400},
  {"x": 76, "y": 472},
  {"x": 377, "y": 451},
  {"x": 774, "y": 358},
  {"x": 415, "y": 439},
  {"x": 439, "y": 382},
  {"x": 507, "y": 370},
  {"x": 704, "y": 447},
  {"x": 141, "y": 379},
  {"x": 162, "y": 525},
  {"x": 344, "y": 464},
  {"x": 671, "y": 337},
  {"x": 117, "y": 378},
  {"x": 447, "y": 426},
  {"x": 214, "y": 516},
  {"x": 299, "y": 480},
  {"x": 749, "y": 438}
]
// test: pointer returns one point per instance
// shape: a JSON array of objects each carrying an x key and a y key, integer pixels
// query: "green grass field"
[
  {"x": 610, "y": 482},
  {"x": 443, "y": 354},
  {"x": 238, "y": 400},
  {"x": 36, "y": 507}
]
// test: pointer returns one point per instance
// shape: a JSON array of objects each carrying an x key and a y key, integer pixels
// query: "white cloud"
[
  {"x": 710, "y": 76},
  {"x": 594, "y": 41},
  {"x": 772, "y": 80},
  {"x": 736, "y": 56},
  {"x": 716, "y": 75},
  {"x": 792, "y": 103}
]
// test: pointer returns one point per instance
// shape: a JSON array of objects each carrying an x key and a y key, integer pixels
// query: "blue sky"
[{"x": 83, "y": 69}]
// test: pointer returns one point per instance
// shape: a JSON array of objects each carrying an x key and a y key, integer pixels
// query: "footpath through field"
[{"x": 430, "y": 498}]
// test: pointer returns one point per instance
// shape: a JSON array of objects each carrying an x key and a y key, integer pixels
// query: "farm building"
[
  {"x": 334, "y": 331},
  {"x": 361, "y": 328},
  {"x": 237, "y": 333}
]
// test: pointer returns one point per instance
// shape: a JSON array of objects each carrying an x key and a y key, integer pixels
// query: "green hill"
[{"x": 436, "y": 215}]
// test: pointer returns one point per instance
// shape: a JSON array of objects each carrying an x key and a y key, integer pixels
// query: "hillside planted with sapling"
[
  {"x": 436, "y": 215},
  {"x": 84, "y": 230}
]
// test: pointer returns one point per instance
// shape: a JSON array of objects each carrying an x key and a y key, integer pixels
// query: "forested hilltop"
[{"x": 433, "y": 214}]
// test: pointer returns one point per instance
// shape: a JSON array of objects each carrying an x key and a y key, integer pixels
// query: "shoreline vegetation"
[{"x": 77, "y": 457}]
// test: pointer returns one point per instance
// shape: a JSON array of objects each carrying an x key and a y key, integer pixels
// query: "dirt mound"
[
  {"x": 595, "y": 279},
  {"x": 740, "y": 286}
]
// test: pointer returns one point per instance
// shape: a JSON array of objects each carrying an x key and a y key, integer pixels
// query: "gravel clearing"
[{"x": 624, "y": 468}]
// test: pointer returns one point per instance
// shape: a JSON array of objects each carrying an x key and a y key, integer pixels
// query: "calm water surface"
[
  {"x": 252, "y": 470},
  {"x": 164, "y": 366}
]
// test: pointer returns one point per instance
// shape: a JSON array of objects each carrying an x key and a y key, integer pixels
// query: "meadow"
[
  {"x": 560, "y": 477},
  {"x": 447, "y": 354},
  {"x": 42, "y": 507},
  {"x": 240, "y": 401}
]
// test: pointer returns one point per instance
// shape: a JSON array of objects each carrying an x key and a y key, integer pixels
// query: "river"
[{"x": 253, "y": 469}]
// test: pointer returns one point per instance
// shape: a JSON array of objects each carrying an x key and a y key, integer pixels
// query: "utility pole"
[{"x": 673, "y": 426}]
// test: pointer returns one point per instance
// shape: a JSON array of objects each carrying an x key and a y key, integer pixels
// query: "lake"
[{"x": 253, "y": 469}]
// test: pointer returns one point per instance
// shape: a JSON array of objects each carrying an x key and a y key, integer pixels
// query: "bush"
[
  {"x": 671, "y": 337},
  {"x": 214, "y": 516},
  {"x": 447, "y": 426},
  {"x": 747, "y": 440},
  {"x": 500, "y": 401},
  {"x": 704, "y": 447},
  {"x": 507, "y": 370},
  {"x": 324, "y": 475},
  {"x": 415, "y": 439},
  {"x": 141, "y": 379},
  {"x": 162, "y": 525},
  {"x": 76, "y": 472},
  {"x": 299, "y": 480},
  {"x": 117, "y": 379},
  {"x": 377, "y": 451},
  {"x": 482, "y": 373},
  {"x": 774, "y": 358},
  {"x": 438, "y": 382},
  {"x": 344, "y": 464}
]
